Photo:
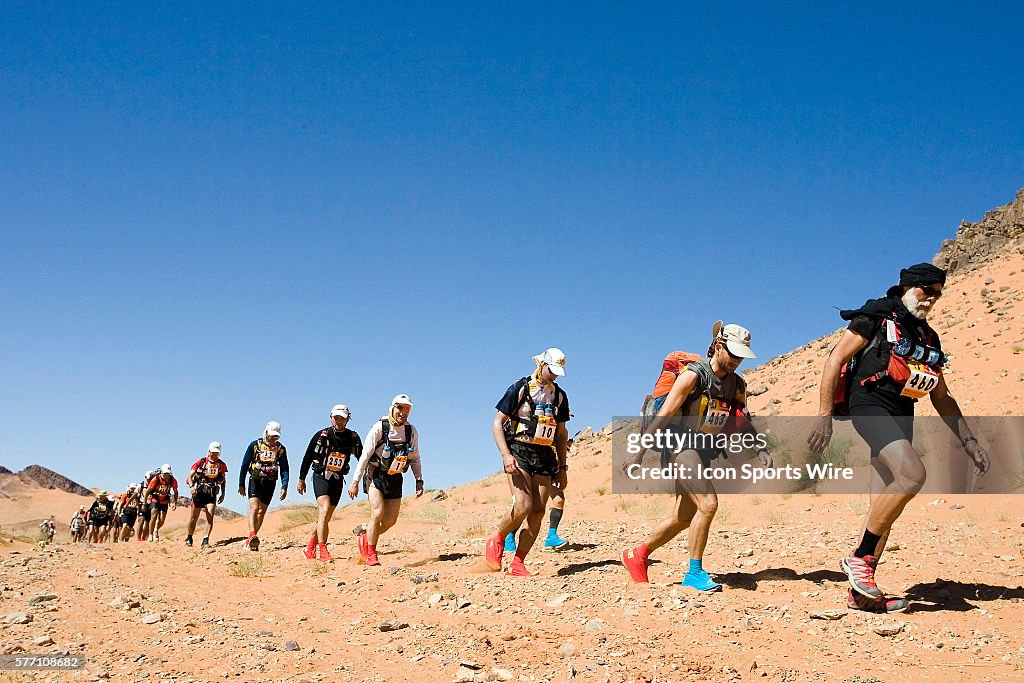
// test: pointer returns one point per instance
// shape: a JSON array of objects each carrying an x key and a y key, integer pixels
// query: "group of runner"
[
  {"x": 872, "y": 377},
  {"x": 868, "y": 376},
  {"x": 141, "y": 510}
]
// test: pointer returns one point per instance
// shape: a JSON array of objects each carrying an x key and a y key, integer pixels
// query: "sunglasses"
[
  {"x": 731, "y": 354},
  {"x": 932, "y": 291}
]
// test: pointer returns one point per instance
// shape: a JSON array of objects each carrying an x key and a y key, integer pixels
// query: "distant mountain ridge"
[{"x": 38, "y": 475}]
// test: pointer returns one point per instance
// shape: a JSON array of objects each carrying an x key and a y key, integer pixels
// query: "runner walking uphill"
[
  {"x": 144, "y": 512},
  {"x": 704, "y": 395},
  {"x": 553, "y": 541},
  {"x": 130, "y": 502},
  {"x": 391, "y": 447},
  {"x": 78, "y": 524},
  {"x": 49, "y": 528},
  {"x": 162, "y": 491},
  {"x": 882, "y": 386},
  {"x": 99, "y": 517},
  {"x": 115, "y": 519},
  {"x": 265, "y": 459},
  {"x": 529, "y": 430},
  {"x": 206, "y": 481},
  {"x": 328, "y": 455}
]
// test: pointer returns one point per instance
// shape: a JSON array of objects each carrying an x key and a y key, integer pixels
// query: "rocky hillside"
[
  {"x": 1001, "y": 230},
  {"x": 48, "y": 479},
  {"x": 980, "y": 319}
]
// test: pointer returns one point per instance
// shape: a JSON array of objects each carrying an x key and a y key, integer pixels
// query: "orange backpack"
[{"x": 673, "y": 364}]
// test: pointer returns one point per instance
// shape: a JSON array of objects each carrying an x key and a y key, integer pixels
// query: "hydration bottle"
[
  {"x": 549, "y": 415},
  {"x": 908, "y": 348}
]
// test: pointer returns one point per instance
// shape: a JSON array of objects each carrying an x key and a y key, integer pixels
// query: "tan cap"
[{"x": 736, "y": 338}]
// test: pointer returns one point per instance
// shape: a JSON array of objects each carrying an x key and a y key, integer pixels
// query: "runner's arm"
[
  {"x": 246, "y": 463},
  {"x": 848, "y": 346},
  {"x": 947, "y": 406},
  {"x": 310, "y": 455},
  {"x": 498, "y": 432},
  {"x": 282, "y": 464},
  {"x": 369, "y": 446},
  {"x": 414, "y": 460}
]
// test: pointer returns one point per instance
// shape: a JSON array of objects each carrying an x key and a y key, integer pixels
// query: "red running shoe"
[
  {"x": 371, "y": 557},
  {"x": 517, "y": 568},
  {"x": 880, "y": 605},
  {"x": 861, "y": 573},
  {"x": 363, "y": 547},
  {"x": 310, "y": 552},
  {"x": 635, "y": 562},
  {"x": 493, "y": 551},
  {"x": 325, "y": 554}
]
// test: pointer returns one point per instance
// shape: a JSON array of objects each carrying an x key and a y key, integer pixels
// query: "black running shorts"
[
  {"x": 879, "y": 427},
  {"x": 389, "y": 485},
  {"x": 204, "y": 496},
  {"x": 332, "y": 488},
  {"x": 129, "y": 515},
  {"x": 262, "y": 488},
  {"x": 537, "y": 461}
]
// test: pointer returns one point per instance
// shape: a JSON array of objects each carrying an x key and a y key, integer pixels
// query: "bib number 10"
[{"x": 545, "y": 434}]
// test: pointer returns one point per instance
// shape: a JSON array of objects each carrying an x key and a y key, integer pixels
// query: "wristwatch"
[
  {"x": 419, "y": 481},
  {"x": 963, "y": 442},
  {"x": 564, "y": 468}
]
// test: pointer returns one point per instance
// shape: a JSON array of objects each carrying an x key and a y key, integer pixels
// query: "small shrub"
[
  {"x": 248, "y": 568},
  {"x": 432, "y": 513}
]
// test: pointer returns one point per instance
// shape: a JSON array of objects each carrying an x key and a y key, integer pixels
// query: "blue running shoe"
[
  {"x": 510, "y": 543},
  {"x": 701, "y": 581},
  {"x": 554, "y": 541}
]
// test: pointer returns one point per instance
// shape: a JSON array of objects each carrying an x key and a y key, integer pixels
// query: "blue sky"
[{"x": 215, "y": 216}]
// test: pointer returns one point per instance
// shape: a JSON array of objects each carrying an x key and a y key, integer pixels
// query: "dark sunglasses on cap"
[{"x": 933, "y": 291}]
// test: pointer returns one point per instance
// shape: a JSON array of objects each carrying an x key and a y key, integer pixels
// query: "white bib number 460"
[{"x": 922, "y": 380}]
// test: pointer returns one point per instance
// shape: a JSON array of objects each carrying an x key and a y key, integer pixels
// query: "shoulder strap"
[
  {"x": 385, "y": 431},
  {"x": 408, "y": 434},
  {"x": 524, "y": 397}
]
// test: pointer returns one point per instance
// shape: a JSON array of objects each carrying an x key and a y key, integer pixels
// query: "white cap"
[
  {"x": 149, "y": 474},
  {"x": 165, "y": 469},
  {"x": 214, "y": 447},
  {"x": 554, "y": 358},
  {"x": 736, "y": 338},
  {"x": 340, "y": 409},
  {"x": 131, "y": 486},
  {"x": 272, "y": 429},
  {"x": 401, "y": 400}
]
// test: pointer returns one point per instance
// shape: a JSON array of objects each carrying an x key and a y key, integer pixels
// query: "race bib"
[
  {"x": 101, "y": 509},
  {"x": 268, "y": 457},
  {"x": 398, "y": 464},
  {"x": 717, "y": 414},
  {"x": 212, "y": 470},
  {"x": 921, "y": 382},
  {"x": 545, "y": 434},
  {"x": 335, "y": 462}
]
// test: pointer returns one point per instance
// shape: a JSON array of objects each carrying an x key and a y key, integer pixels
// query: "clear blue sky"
[{"x": 215, "y": 216}]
